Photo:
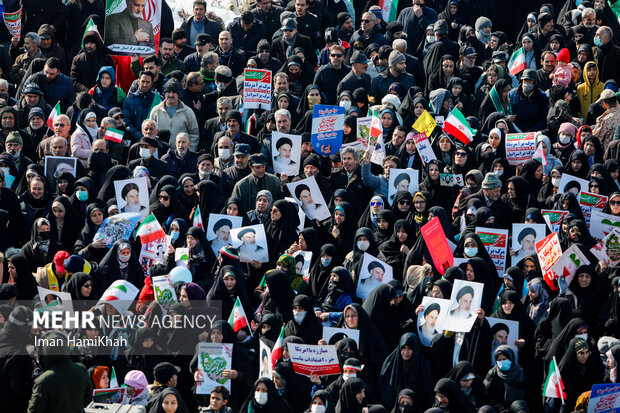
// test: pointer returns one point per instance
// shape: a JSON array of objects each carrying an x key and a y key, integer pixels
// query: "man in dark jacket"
[
  {"x": 235, "y": 173},
  {"x": 529, "y": 104},
  {"x": 202, "y": 45},
  {"x": 137, "y": 106},
  {"x": 15, "y": 363},
  {"x": 86, "y": 65},
  {"x": 415, "y": 20},
  {"x": 246, "y": 32},
  {"x": 170, "y": 62},
  {"x": 193, "y": 97},
  {"x": 50, "y": 48},
  {"x": 229, "y": 55},
  {"x": 50, "y": 393},
  {"x": 329, "y": 76},
  {"x": 181, "y": 159},
  {"x": 489, "y": 195},
  {"x": 308, "y": 24},
  {"x": 548, "y": 61},
  {"x": 395, "y": 74},
  {"x": 349, "y": 177},
  {"x": 368, "y": 33},
  {"x": 264, "y": 59},
  {"x": 215, "y": 124},
  {"x": 269, "y": 14},
  {"x": 199, "y": 23},
  {"x": 156, "y": 167},
  {"x": 606, "y": 54},
  {"x": 32, "y": 97},
  {"x": 233, "y": 131},
  {"x": 292, "y": 39},
  {"x": 56, "y": 86},
  {"x": 357, "y": 77}
]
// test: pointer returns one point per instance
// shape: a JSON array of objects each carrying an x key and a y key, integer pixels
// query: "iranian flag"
[
  {"x": 91, "y": 27},
  {"x": 517, "y": 62},
  {"x": 237, "y": 319},
  {"x": 540, "y": 156},
  {"x": 113, "y": 379},
  {"x": 113, "y": 135},
  {"x": 53, "y": 115},
  {"x": 376, "y": 129},
  {"x": 150, "y": 230},
  {"x": 276, "y": 353},
  {"x": 456, "y": 125},
  {"x": 554, "y": 387},
  {"x": 156, "y": 101},
  {"x": 197, "y": 218},
  {"x": 388, "y": 9}
]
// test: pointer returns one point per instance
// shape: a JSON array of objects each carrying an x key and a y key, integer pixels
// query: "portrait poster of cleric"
[
  {"x": 132, "y": 26},
  {"x": 132, "y": 195},
  {"x": 308, "y": 196},
  {"x": 286, "y": 152},
  {"x": 251, "y": 242},
  {"x": 524, "y": 239},
  {"x": 464, "y": 301},
  {"x": 373, "y": 273},
  {"x": 402, "y": 180},
  {"x": 55, "y": 165},
  {"x": 218, "y": 230},
  {"x": 431, "y": 318}
]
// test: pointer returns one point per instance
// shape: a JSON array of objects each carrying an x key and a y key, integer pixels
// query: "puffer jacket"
[
  {"x": 108, "y": 98},
  {"x": 135, "y": 109},
  {"x": 183, "y": 120}
]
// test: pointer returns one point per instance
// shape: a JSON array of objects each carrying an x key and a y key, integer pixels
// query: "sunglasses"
[
  {"x": 376, "y": 203},
  {"x": 615, "y": 203},
  {"x": 460, "y": 153},
  {"x": 164, "y": 197},
  {"x": 335, "y": 55},
  {"x": 119, "y": 116},
  {"x": 365, "y": 20},
  {"x": 87, "y": 285},
  {"x": 593, "y": 186},
  {"x": 404, "y": 202},
  {"x": 60, "y": 125}
]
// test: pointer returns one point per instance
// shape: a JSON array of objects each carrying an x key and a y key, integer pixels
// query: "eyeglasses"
[
  {"x": 164, "y": 197},
  {"x": 336, "y": 55},
  {"x": 593, "y": 186},
  {"x": 419, "y": 202},
  {"x": 365, "y": 20},
  {"x": 60, "y": 125},
  {"x": 376, "y": 203},
  {"x": 119, "y": 116},
  {"x": 88, "y": 285},
  {"x": 404, "y": 202}
]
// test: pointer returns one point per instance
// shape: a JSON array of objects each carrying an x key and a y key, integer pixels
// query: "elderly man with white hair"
[{"x": 181, "y": 159}]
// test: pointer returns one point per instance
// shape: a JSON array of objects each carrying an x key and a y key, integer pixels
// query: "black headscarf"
[
  {"x": 347, "y": 402},
  {"x": 391, "y": 248},
  {"x": 165, "y": 215},
  {"x": 24, "y": 281},
  {"x": 158, "y": 408},
  {"x": 319, "y": 273},
  {"x": 310, "y": 330},
  {"x": 281, "y": 295},
  {"x": 116, "y": 173},
  {"x": 219, "y": 292},
  {"x": 275, "y": 403},
  {"x": 74, "y": 287},
  {"x": 358, "y": 255},
  {"x": 383, "y": 314},
  {"x": 398, "y": 374},
  {"x": 577, "y": 377},
  {"x": 211, "y": 199},
  {"x": 383, "y": 235},
  {"x": 457, "y": 401},
  {"x": 282, "y": 233}
]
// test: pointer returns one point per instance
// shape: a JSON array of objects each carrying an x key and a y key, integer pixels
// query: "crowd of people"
[{"x": 178, "y": 120}]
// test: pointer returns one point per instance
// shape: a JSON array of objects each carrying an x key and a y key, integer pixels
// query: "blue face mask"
[
  {"x": 81, "y": 195},
  {"x": 174, "y": 235},
  {"x": 598, "y": 42},
  {"x": 470, "y": 251},
  {"x": 325, "y": 261},
  {"x": 504, "y": 365}
]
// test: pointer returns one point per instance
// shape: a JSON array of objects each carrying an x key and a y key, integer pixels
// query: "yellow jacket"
[{"x": 588, "y": 93}]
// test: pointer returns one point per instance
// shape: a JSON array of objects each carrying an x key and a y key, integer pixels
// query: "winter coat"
[
  {"x": 183, "y": 120},
  {"x": 587, "y": 92}
]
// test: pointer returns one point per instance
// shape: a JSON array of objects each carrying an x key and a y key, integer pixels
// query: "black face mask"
[
  {"x": 405, "y": 408},
  {"x": 45, "y": 235}
]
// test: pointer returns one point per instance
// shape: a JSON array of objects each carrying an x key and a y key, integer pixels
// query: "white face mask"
[
  {"x": 470, "y": 251},
  {"x": 430, "y": 38},
  {"x": 582, "y": 336},
  {"x": 498, "y": 172},
  {"x": 317, "y": 408},
  {"x": 564, "y": 139},
  {"x": 299, "y": 316},
  {"x": 124, "y": 258},
  {"x": 261, "y": 398},
  {"x": 556, "y": 182},
  {"x": 346, "y": 104},
  {"x": 224, "y": 153},
  {"x": 346, "y": 377},
  {"x": 145, "y": 153},
  {"x": 363, "y": 245}
]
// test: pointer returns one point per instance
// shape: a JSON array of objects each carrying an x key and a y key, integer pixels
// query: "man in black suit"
[{"x": 293, "y": 40}]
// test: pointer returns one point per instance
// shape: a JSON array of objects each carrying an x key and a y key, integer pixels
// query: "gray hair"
[
  {"x": 373, "y": 16},
  {"x": 282, "y": 112},
  {"x": 182, "y": 135},
  {"x": 146, "y": 122},
  {"x": 224, "y": 100},
  {"x": 209, "y": 58},
  {"x": 399, "y": 44},
  {"x": 4, "y": 83},
  {"x": 35, "y": 38},
  {"x": 587, "y": 11},
  {"x": 608, "y": 32},
  {"x": 108, "y": 121},
  {"x": 349, "y": 149}
]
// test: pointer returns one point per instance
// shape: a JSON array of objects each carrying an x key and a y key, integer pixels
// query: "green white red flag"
[
  {"x": 237, "y": 319},
  {"x": 276, "y": 353},
  {"x": 554, "y": 387},
  {"x": 457, "y": 126},
  {"x": 517, "y": 63},
  {"x": 150, "y": 230},
  {"x": 197, "y": 218},
  {"x": 53, "y": 115},
  {"x": 113, "y": 135}
]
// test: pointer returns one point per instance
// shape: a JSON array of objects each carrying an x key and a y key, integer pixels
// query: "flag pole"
[{"x": 559, "y": 381}]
